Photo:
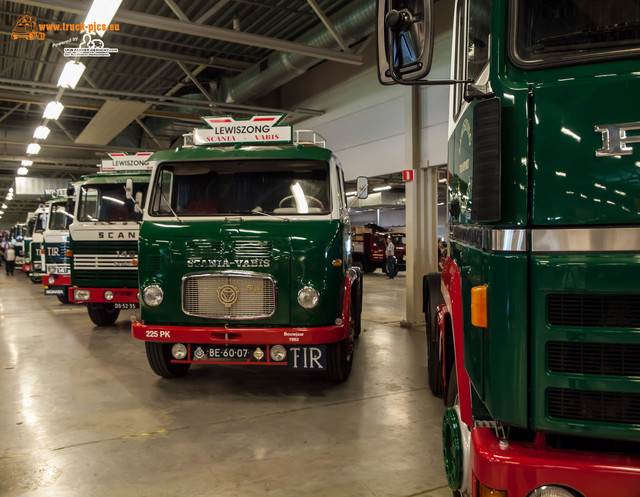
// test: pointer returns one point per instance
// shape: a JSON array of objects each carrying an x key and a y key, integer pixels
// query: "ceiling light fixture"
[
  {"x": 71, "y": 74},
  {"x": 4, "y": 206},
  {"x": 26, "y": 163},
  {"x": 22, "y": 171},
  {"x": 33, "y": 148},
  {"x": 53, "y": 110},
  {"x": 41, "y": 133},
  {"x": 382, "y": 188},
  {"x": 101, "y": 13}
]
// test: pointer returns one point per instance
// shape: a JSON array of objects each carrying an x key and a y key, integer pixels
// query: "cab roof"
[
  {"x": 105, "y": 179},
  {"x": 242, "y": 152}
]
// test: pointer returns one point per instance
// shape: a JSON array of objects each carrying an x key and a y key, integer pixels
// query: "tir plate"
[{"x": 126, "y": 305}]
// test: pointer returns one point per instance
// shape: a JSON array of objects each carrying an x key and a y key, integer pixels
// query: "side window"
[
  {"x": 162, "y": 195},
  {"x": 478, "y": 47}
]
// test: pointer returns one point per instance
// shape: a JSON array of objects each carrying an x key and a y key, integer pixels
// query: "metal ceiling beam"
[
  {"x": 176, "y": 10},
  {"x": 101, "y": 94},
  {"x": 212, "y": 11},
  {"x": 201, "y": 30},
  {"x": 73, "y": 146},
  {"x": 37, "y": 162},
  {"x": 194, "y": 80},
  {"x": 328, "y": 24}
]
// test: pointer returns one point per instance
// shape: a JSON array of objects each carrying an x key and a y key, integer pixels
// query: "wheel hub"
[{"x": 452, "y": 448}]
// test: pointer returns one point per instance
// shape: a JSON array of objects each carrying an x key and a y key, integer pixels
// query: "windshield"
[
  {"x": 108, "y": 202},
  {"x": 246, "y": 187},
  {"x": 552, "y": 32},
  {"x": 31, "y": 224},
  {"x": 41, "y": 223},
  {"x": 60, "y": 217}
]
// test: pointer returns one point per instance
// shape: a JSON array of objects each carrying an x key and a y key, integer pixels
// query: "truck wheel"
[
  {"x": 159, "y": 357},
  {"x": 64, "y": 298},
  {"x": 432, "y": 298},
  {"x": 36, "y": 280},
  {"x": 394, "y": 269},
  {"x": 103, "y": 314},
  {"x": 456, "y": 438},
  {"x": 339, "y": 362}
]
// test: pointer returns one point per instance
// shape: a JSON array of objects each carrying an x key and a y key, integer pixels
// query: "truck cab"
[
  {"x": 104, "y": 243},
  {"x": 57, "y": 276},
  {"x": 245, "y": 257}
]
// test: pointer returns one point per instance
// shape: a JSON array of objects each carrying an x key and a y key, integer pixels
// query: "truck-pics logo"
[
  {"x": 26, "y": 28},
  {"x": 615, "y": 139}
]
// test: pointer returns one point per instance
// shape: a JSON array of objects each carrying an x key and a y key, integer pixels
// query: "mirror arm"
[{"x": 358, "y": 193}]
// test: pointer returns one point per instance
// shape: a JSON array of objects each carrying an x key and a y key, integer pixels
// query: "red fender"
[{"x": 452, "y": 293}]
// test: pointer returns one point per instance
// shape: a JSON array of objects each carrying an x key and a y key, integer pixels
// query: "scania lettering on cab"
[
  {"x": 104, "y": 238},
  {"x": 538, "y": 327},
  {"x": 57, "y": 277},
  {"x": 245, "y": 255}
]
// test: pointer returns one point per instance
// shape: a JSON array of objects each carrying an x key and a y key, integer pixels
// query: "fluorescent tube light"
[
  {"x": 53, "y": 110},
  {"x": 26, "y": 163},
  {"x": 382, "y": 188},
  {"x": 71, "y": 74},
  {"x": 41, "y": 133},
  {"x": 33, "y": 148},
  {"x": 22, "y": 171},
  {"x": 101, "y": 12}
]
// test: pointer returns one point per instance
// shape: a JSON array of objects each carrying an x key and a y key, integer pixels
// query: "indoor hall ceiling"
[{"x": 176, "y": 60}]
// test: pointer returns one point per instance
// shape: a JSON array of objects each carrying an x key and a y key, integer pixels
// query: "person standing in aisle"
[
  {"x": 10, "y": 260},
  {"x": 389, "y": 252}
]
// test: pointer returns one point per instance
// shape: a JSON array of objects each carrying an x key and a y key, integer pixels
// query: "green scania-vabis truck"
[
  {"x": 245, "y": 254},
  {"x": 535, "y": 339}
]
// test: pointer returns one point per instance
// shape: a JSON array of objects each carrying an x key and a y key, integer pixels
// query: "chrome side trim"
[
  {"x": 550, "y": 240},
  {"x": 599, "y": 240},
  {"x": 491, "y": 239}
]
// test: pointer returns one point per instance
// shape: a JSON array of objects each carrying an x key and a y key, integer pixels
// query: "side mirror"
[
  {"x": 405, "y": 30},
  {"x": 362, "y": 187},
  {"x": 138, "y": 203},
  {"x": 71, "y": 191},
  {"x": 128, "y": 188}
]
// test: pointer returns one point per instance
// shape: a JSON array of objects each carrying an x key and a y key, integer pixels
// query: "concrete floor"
[{"x": 82, "y": 414}]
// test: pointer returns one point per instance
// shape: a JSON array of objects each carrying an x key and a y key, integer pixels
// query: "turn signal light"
[
  {"x": 491, "y": 492},
  {"x": 479, "y": 306},
  {"x": 69, "y": 253}
]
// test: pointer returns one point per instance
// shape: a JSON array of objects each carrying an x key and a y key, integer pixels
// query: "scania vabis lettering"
[
  {"x": 245, "y": 255},
  {"x": 534, "y": 324}
]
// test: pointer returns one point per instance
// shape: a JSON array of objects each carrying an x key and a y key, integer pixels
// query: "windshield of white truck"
[
  {"x": 109, "y": 202},
  {"x": 60, "y": 218},
  {"x": 241, "y": 187},
  {"x": 552, "y": 31}
]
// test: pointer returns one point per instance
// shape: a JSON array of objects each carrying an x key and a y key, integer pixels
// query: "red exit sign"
[{"x": 407, "y": 175}]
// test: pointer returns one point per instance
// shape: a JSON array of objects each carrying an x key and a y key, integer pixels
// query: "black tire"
[
  {"x": 356, "y": 302},
  {"x": 159, "y": 357},
  {"x": 64, "y": 298},
  {"x": 338, "y": 363},
  {"x": 367, "y": 267},
  {"x": 394, "y": 268},
  {"x": 103, "y": 314},
  {"x": 452, "y": 398},
  {"x": 432, "y": 298},
  {"x": 35, "y": 280}
]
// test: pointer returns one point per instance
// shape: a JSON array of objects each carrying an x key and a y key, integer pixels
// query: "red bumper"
[
  {"x": 26, "y": 268},
  {"x": 58, "y": 280},
  {"x": 245, "y": 336},
  {"x": 120, "y": 295},
  {"x": 521, "y": 467}
]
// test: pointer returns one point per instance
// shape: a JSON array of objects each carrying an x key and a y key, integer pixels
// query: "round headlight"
[
  {"x": 278, "y": 353},
  {"x": 153, "y": 295},
  {"x": 51, "y": 280},
  {"x": 551, "y": 491},
  {"x": 308, "y": 297},
  {"x": 108, "y": 295},
  {"x": 179, "y": 351}
]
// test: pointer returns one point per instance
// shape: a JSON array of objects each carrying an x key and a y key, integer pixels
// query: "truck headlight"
[
  {"x": 551, "y": 491},
  {"x": 51, "y": 280},
  {"x": 153, "y": 295},
  {"x": 51, "y": 269},
  {"x": 308, "y": 297},
  {"x": 179, "y": 351},
  {"x": 108, "y": 295},
  {"x": 81, "y": 294},
  {"x": 278, "y": 353}
]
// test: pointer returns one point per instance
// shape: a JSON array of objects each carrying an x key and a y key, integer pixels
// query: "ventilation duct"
[{"x": 353, "y": 23}]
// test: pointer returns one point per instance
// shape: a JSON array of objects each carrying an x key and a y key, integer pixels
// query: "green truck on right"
[{"x": 533, "y": 326}]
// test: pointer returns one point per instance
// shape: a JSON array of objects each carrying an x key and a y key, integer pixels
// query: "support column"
[{"x": 421, "y": 211}]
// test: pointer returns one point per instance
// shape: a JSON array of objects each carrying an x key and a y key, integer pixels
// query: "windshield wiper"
[
  {"x": 587, "y": 35},
  {"x": 169, "y": 205},
  {"x": 258, "y": 210}
]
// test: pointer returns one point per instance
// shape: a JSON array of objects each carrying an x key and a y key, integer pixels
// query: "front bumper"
[
  {"x": 96, "y": 295},
  {"x": 237, "y": 336},
  {"x": 522, "y": 467}
]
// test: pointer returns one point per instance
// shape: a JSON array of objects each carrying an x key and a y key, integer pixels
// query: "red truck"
[{"x": 369, "y": 248}]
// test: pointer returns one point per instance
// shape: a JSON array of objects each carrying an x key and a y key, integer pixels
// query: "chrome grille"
[
  {"x": 229, "y": 295},
  {"x": 104, "y": 262},
  {"x": 252, "y": 248}
]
